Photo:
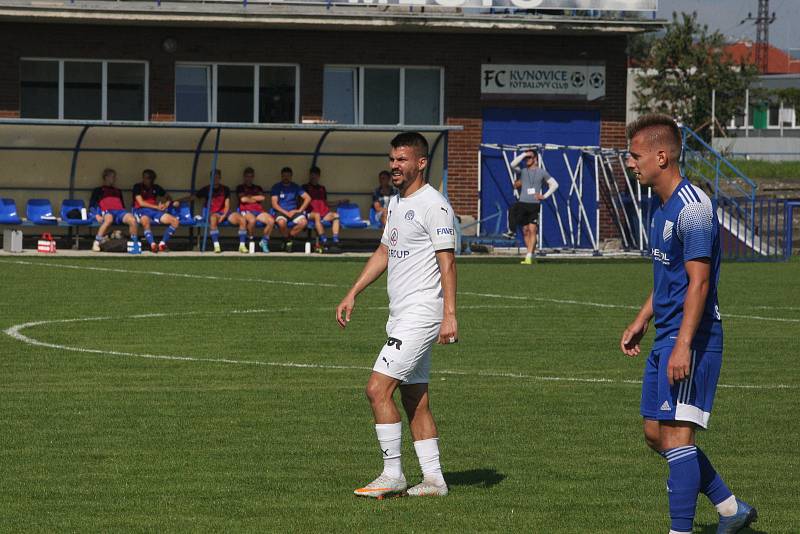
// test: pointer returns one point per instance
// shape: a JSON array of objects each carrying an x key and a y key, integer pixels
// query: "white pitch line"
[
  {"x": 15, "y": 332},
  {"x": 320, "y": 284}
]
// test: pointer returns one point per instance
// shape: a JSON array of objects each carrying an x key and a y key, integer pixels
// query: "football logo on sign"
[
  {"x": 393, "y": 237},
  {"x": 410, "y": 215}
]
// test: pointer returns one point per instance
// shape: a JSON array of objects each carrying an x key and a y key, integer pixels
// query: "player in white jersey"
[{"x": 417, "y": 248}]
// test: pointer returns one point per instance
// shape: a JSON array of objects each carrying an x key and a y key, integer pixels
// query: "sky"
[{"x": 726, "y": 15}]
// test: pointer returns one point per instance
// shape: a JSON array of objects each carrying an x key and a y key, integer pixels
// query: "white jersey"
[{"x": 416, "y": 227}]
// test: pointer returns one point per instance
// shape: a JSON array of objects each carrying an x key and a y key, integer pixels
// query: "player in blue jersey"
[
  {"x": 681, "y": 373},
  {"x": 289, "y": 203}
]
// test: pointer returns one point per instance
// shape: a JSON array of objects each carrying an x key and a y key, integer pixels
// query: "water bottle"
[
  {"x": 308, "y": 247},
  {"x": 252, "y": 247},
  {"x": 83, "y": 214}
]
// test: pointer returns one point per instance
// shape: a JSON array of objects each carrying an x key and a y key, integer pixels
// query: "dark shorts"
[{"x": 523, "y": 213}]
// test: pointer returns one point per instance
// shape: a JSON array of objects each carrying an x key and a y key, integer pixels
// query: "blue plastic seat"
[
  {"x": 374, "y": 219},
  {"x": 350, "y": 216},
  {"x": 40, "y": 212},
  {"x": 8, "y": 212},
  {"x": 184, "y": 214},
  {"x": 74, "y": 204}
]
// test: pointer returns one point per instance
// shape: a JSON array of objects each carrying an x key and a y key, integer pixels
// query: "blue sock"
[
  {"x": 148, "y": 234},
  {"x": 215, "y": 236},
  {"x": 265, "y": 239},
  {"x": 323, "y": 239},
  {"x": 134, "y": 237},
  {"x": 242, "y": 236},
  {"x": 335, "y": 238},
  {"x": 98, "y": 237},
  {"x": 711, "y": 484},
  {"x": 683, "y": 486},
  {"x": 168, "y": 234}
]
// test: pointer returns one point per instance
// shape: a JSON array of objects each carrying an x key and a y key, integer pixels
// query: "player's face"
[
  {"x": 406, "y": 166},
  {"x": 643, "y": 161},
  {"x": 384, "y": 179},
  {"x": 531, "y": 161},
  {"x": 110, "y": 178},
  {"x": 249, "y": 177},
  {"x": 146, "y": 180},
  {"x": 286, "y": 177},
  {"x": 313, "y": 178},
  {"x": 217, "y": 179}
]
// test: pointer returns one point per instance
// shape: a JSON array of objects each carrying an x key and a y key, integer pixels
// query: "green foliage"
[
  {"x": 788, "y": 171},
  {"x": 274, "y": 435},
  {"x": 682, "y": 68}
]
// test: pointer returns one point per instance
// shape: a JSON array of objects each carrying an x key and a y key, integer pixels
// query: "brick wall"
[{"x": 460, "y": 54}]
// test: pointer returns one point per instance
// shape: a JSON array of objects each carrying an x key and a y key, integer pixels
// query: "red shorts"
[{"x": 319, "y": 206}]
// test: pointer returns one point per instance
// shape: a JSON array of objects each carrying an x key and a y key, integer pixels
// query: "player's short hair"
[
  {"x": 287, "y": 169},
  {"x": 384, "y": 173},
  {"x": 150, "y": 173},
  {"x": 659, "y": 128},
  {"x": 414, "y": 140},
  {"x": 314, "y": 170},
  {"x": 248, "y": 170},
  {"x": 217, "y": 171},
  {"x": 108, "y": 171}
]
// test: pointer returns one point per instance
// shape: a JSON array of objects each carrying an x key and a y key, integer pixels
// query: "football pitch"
[{"x": 218, "y": 394}]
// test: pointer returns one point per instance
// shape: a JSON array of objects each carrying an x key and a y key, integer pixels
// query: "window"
[
  {"x": 83, "y": 89},
  {"x": 236, "y": 93},
  {"x": 383, "y": 95},
  {"x": 339, "y": 98},
  {"x": 193, "y": 93},
  {"x": 39, "y": 89},
  {"x": 126, "y": 91}
]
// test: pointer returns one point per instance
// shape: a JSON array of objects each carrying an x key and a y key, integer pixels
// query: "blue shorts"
[
  {"x": 688, "y": 400},
  {"x": 155, "y": 215},
  {"x": 118, "y": 215}
]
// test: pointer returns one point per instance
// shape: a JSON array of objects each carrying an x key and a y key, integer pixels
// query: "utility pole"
[{"x": 762, "y": 20}]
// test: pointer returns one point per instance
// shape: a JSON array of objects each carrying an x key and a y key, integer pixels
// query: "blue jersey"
[
  {"x": 288, "y": 195},
  {"x": 683, "y": 229}
]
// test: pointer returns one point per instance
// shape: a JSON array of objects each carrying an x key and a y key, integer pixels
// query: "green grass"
[
  {"x": 99, "y": 442},
  {"x": 787, "y": 171}
]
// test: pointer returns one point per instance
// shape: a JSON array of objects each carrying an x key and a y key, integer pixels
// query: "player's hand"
[
  {"x": 344, "y": 309},
  {"x": 448, "y": 331},
  {"x": 678, "y": 365},
  {"x": 223, "y": 217},
  {"x": 291, "y": 213},
  {"x": 629, "y": 344},
  {"x": 176, "y": 204},
  {"x": 539, "y": 196}
]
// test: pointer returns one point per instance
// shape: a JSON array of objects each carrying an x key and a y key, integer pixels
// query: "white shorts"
[{"x": 406, "y": 355}]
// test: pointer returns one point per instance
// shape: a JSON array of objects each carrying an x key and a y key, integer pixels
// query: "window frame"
[
  {"x": 213, "y": 89},
  {"x": 103, "y": 83},
  {"x": 359, "y": 86}
]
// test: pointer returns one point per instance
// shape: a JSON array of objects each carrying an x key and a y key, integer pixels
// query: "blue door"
[{"x": 513, "y": 126}]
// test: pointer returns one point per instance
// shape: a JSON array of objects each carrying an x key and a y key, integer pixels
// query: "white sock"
[
  {"x": 728, "y": 507},
  {"x": 678, "y": 532},
  {"x": 529, "y": 256},
  {"x": 428, "y": 454},
  {"x": 390, "y": 438}
]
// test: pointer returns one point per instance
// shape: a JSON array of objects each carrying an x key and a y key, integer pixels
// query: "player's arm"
[
  {"x": 226, "y": 209},
  {"x": 516, "y": 161},
  {"x": 375, "y": 267},
  {"x": 145, "y": 204},
  {"x": 306, "y": 201},
  {"x": 698, "y": 271},
  {"x": 94, "y": 202},
  {"x": 633, "y": 334},
  {"x": 277, "y": 207},
  {"x": 448, "y": 331},
  {"x": 552, "y": 185}
]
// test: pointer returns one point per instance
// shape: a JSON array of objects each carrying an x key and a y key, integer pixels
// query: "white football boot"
[
  {"x": 428, "y": 489},
  {"x": 383, "y": 486}
]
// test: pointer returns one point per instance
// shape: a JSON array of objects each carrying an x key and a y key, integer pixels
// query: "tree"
[{"x": 679, "y": 70}]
